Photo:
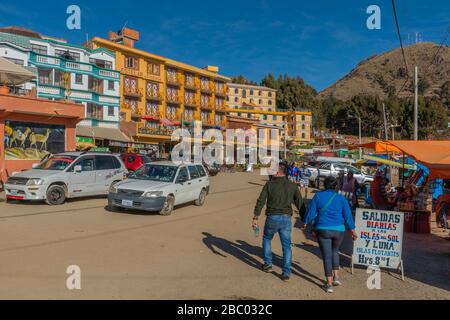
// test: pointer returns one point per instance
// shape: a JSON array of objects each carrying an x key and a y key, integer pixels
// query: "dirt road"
[{"x": 196, "y": 253}]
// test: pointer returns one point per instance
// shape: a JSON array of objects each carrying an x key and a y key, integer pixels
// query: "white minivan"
[
  {"x": 67, "y": 175},
  {"x": 159, "y": 186}
]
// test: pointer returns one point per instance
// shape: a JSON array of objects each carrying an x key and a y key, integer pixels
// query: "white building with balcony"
[{"x": 67, "y": 71}]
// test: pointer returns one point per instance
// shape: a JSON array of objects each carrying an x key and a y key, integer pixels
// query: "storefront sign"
[
  {"x": 119, "y": 144},
  {"x": 380, "y": 238},
  {"x": 32, "y": 141},
  {"x": 85, "y": 140},
  {"x": 100, "y": 149}
]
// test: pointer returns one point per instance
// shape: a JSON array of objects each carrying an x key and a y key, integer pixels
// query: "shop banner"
[{"x": 380, "y": 238}]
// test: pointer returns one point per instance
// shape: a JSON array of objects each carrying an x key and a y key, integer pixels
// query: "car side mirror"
[
  {"x": 35, "y": 165},
  {"x": 78, "y": 168}
]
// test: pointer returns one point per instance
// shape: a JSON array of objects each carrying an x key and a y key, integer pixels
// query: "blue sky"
[{"x": 318, "y": 40}]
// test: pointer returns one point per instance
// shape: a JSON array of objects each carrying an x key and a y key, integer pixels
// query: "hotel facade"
[
  {"x": 259, "y": 103},
  {"x": 159, "y": 95}
]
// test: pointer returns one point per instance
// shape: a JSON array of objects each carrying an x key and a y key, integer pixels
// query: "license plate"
[
  {"x": 14, "y": 192},
  {"x": 128, "y": 203}
]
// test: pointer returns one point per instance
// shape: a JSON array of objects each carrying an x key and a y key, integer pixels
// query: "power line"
[{"x": 400, "y": 37}]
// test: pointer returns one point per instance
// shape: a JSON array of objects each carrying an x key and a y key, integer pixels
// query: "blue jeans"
[
  {"x": 329, "y": 242},
  {"x": 282, "y": 225}
]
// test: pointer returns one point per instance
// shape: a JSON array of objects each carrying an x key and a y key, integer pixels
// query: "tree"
[{"x": 240, "y": 79}]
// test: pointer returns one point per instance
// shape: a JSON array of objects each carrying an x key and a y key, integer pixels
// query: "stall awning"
[
  {"x": 11, "y": 73},
  {"x": 378, "y": 146},
  {"x": 387, "y": 162},
  {"x": 112, "y": 134},
  {"x": 435, "y": 155}
]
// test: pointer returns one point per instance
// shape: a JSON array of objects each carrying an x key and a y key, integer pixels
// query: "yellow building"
[
  {"x": 296, "y": 125},
  {"x": 159, "y": 94},
  {"x": 259, "y": 103}
]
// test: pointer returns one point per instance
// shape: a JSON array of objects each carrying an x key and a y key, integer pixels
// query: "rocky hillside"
[{"x": 385, "y": 73}]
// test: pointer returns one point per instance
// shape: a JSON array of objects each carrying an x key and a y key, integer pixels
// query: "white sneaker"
[{"x": 337, "y": 282}]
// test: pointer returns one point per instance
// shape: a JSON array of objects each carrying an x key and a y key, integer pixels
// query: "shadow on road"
[{"x": 246, "y": 253}]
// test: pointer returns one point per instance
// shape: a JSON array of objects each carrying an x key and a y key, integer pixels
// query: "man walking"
[{"x": 278, "y": 195}]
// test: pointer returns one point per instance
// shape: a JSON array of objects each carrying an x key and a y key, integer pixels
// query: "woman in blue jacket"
[{"x": 329, "y": 214}]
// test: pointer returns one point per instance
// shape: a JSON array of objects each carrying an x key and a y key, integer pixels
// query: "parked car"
[
  {"x": 159, "y": 186},
  {"x": 332, "y": 169},
  {"x": 134, "y": 161},
  {"x": 67, "y": 175}
]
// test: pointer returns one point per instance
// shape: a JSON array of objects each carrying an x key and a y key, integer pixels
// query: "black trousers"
[{"x": 329, "y": 242}]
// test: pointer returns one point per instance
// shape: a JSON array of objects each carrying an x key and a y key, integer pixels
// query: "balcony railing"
[
  {"x": 173, "y": 100},
  {"x": 50, "y": 91},
  {"x": 152, "y": 95},
  {"x": 190, "y": 103},
  {"x": 173, "y": 80},
  {"x": 132, "y": 93},
  {"x": 190, "y": 85},
  {"x": 156, "y": 131},
  {"x": 220, "y": 92},
  {"x": 206, "y": 88},
  {"x": 75, "y": 66},
  {"x": 156, "y": 114}
]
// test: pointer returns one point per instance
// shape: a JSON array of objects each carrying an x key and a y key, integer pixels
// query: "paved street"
[{"x": 207, "y": 252}]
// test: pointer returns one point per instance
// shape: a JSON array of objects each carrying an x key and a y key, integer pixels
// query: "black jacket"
[{"x": 278, "y": 195}]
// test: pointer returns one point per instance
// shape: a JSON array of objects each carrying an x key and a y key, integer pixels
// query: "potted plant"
[{"x": 4, "y": 89}]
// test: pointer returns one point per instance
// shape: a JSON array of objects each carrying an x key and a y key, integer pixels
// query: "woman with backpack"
[{"x": 329, "y": 215}]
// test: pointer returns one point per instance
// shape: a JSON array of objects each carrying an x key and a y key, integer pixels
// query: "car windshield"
[
  {"x": 155, "y": 172},
  {"x": 56, "y": 163}
]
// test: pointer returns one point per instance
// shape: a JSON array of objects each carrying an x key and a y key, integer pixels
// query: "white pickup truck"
[{"x": 332, "y": 169}]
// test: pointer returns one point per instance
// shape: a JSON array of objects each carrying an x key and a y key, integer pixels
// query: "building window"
[
  {"x": 239, "y": 114},
  {"x": 275, "y": 118},
  {"x": 110, "y": 85},
  {"x": 270, "y": 102},
  {"x": 249, "y": 115},
  {"x": 244, "y": 93},
  {"x": 101, "y": 63},
  {"x": 303, "y": 127},
  {"x": 94, "y": 111},
  {"x": 236, "y": 91},
  {"x": 78, "y": 78},
  {"x": 153, "y": 68},
  {"x": 110, "y": 111},
  {"x": 303, "y": 136},
  {"x": 251, "y": 92},
  {"x": 38, "y": 48},
  {"x": 303, "y": 118},
  {"x": 45, "y": 76},
  {"x": 265, "y": 117},
  {"x": 236, "y": 99},
  {"x": 131, "y": 63},
  {"x": 260, "y": 101},
  {"x": 270, "y": 94},
  {"x": 66, "y": 54},
  {"x": 130, "y": 85}
]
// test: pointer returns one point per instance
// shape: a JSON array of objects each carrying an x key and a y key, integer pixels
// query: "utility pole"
[
  {"x": 360, "y": 137},
  {"x": 416, "y": 104},
  {"x": 385, "y": 123}
]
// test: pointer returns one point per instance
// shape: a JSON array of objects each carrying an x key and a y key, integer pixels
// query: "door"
[
  {"x": 183, "y": 187},
  {"x": 204, "y": 178},
  {"x": 106, "y": 172},
  {"x": 82, "y": 183},
  {"x": 196, "y": 180}
]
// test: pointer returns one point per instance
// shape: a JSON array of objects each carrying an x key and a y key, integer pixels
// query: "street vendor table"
[{"x": 417, "y": 221}]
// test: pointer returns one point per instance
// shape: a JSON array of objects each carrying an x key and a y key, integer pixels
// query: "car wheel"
[
  {"x": 168, "y": 206},
  {"x": 201, "y": 198},
  {"x": 56, "y": 195}
]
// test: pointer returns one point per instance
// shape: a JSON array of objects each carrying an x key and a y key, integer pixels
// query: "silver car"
[{"x": 67, "y": 175}]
